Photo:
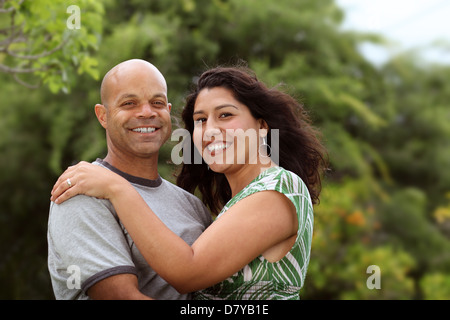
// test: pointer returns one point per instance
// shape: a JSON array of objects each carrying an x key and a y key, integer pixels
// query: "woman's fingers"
[
  {"x": 68, "y": 193},
  {"x": 62, "y": 185},
  {"x": 63, "y": 177},
  {"x": 65, "y": 181},
  {"x": 58, "y": 182},
  {"x": 84, "y": 178}
]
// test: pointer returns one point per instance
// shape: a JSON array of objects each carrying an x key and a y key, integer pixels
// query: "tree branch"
[
  {"x": 37, "y": 56},
  {"x": 21, "y": 70},
  {"x": 26, "y": 84},
  {"x": 9, "y": 10}
]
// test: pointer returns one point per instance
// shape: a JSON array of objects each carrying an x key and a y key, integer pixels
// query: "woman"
[{"x": 259, "y": 245}]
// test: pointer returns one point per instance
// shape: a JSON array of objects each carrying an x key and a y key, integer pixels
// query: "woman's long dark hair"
[{"x": 300, "y": 149}]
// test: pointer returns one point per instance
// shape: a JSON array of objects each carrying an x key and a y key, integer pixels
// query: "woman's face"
[{"x": 225, "y": 132}]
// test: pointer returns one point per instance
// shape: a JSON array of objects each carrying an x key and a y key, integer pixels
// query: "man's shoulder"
[
  {"x": 78, "y": 212},
  {"x": 81, "y": 203},
  {"x": 179, "y": 190},
  {"x": 196, "y": 205}
]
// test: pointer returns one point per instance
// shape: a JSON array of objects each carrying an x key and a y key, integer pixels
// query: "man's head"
[{"x": 135, "y": 111}]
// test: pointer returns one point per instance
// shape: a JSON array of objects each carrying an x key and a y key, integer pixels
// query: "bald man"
[{"x": 90, "y": 254}]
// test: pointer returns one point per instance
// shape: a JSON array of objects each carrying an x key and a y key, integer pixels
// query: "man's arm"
[
  {"x": 118, "y": 287},
  {"x": 84, "y": 233}
]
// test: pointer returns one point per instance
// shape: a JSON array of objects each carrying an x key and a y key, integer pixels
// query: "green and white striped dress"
[{"x": 261, "y": 279}]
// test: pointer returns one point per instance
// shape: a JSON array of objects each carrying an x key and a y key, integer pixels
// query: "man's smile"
[{"x": 144, "y": 129}]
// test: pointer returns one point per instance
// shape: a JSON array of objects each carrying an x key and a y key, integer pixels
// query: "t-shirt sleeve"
[
  {"x": 84, "y": 234},
  {"x": 291, "y": 186}
]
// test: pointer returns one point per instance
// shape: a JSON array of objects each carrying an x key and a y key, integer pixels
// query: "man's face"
[{"x": 137, "y": 113}]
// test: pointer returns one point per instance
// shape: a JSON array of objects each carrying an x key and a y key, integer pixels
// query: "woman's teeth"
[{"x": 217, "y": 146}]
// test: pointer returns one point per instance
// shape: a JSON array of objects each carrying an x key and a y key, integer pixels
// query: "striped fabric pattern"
[{"x": 261, "y": 279}]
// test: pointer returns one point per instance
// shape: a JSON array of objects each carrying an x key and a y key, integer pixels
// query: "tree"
[
  {"x": 44, "y": 41},
  {"x": 386, "y": 129}
]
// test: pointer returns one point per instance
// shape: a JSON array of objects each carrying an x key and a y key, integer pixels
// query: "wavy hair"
[{"x": 300, "y": 148}]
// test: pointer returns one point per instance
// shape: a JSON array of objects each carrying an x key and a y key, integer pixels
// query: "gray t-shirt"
[{"x": 87, "y": 242}]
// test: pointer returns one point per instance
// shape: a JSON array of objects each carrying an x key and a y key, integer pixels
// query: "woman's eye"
[
  {"x": 225, "y": 115},
  {"x": 199, "y": 121}
]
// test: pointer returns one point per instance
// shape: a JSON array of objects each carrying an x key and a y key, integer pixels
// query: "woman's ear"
[
  {"x": 100, "y": 112},
  {"x": 263, "y": 128}
]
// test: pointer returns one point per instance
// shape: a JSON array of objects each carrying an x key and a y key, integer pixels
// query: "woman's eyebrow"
[{"x": 217, "y": 108}]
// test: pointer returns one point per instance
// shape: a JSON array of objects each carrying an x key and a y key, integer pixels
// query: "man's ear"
[{"x": 100, "y": 112}]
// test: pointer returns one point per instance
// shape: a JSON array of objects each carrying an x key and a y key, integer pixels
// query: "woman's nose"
[{"x": 211, "y": 130}]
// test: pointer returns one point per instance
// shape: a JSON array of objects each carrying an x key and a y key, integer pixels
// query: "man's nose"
[{"x": 146, "y": 111}]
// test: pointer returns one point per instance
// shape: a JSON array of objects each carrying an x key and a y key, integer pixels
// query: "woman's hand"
[{"x": 88, "y": 179}]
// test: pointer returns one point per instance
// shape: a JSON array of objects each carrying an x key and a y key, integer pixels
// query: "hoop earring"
[{"x": 268, "y": 150}]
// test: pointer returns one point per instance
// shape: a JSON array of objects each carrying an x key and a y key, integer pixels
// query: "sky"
[{"x": 408, "y": 24}]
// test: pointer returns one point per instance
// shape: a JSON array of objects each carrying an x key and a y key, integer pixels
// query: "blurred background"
[{"x": 373, "y": 76}]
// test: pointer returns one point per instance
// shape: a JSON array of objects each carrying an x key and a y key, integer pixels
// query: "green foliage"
[
  {"x": 394, "y": 268},
  {"x": 406, "y": 222},
  {"x": 44, "y": 42},
  {"x": 384, "y": 202},
  {"x": 436, "y": 286}
]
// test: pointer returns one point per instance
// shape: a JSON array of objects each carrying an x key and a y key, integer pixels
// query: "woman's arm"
[
  {"x": 249, "y": 228},
  {"x": 252, "y": 226}
]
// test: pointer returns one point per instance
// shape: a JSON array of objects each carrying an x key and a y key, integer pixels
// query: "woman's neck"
[{"x": 241, "y": 177}]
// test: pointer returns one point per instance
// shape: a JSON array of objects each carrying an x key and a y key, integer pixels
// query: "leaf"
[{"x": 362, "y": 110}]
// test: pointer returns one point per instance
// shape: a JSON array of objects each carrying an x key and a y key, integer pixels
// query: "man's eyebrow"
[
  {"x": 159, "y": 95},
  {"x": 127, "y": 96},
  {"x": 217, "y": 108},
  {"x": 134, "y": 96}
]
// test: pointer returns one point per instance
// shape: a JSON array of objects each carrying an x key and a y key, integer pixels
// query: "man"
[{"x": 90, "y": 253}]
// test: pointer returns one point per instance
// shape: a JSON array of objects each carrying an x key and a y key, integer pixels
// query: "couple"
[{"x": 129, "y": 234}]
